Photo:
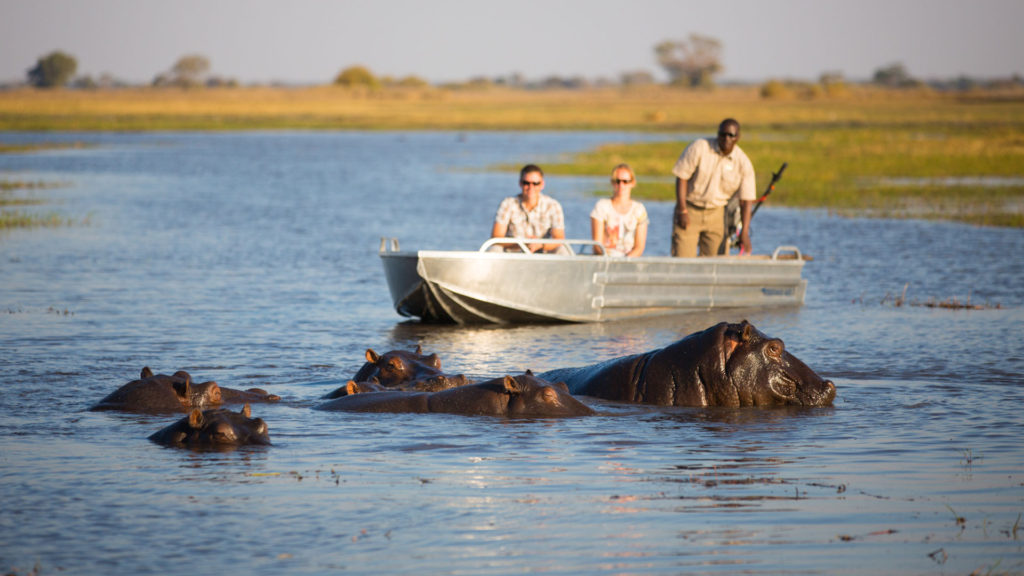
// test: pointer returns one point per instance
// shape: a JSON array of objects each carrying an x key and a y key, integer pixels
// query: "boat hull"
[{"x": 487, "y": 287}]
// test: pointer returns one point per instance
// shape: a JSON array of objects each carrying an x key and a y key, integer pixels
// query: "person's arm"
[
  {"x": 682, "y": 217},
  {"x": 639, "y": 241},
  {"x": 597, "y": 234},
  {"x": 746, "y": 247},
  {"x": 557, "y": 234},
  {"x": 499, "y": 230}
]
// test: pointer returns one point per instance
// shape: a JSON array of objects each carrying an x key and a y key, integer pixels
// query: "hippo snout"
[{"x": 830, "y": 393}]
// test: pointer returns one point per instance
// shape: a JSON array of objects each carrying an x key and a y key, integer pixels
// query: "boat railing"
[
  {"x": 787, "y": 253},
  {"x": 523, "y": 245},
  {"x": 390, "y": 245}
]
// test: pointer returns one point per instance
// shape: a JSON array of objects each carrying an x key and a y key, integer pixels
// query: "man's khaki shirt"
[{"x": 713, "y": 178}]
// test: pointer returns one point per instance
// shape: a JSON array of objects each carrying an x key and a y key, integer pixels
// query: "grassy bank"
[
  {"x": 949, "y": 172},
  {"x": 892, "y": 153}
]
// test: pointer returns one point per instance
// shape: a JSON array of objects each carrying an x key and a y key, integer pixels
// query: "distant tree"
[
  {"x": 413, "y": 82},
  {"x": 775, "y": 90},
  {"x": 357, "y": 76},
  {"x": 85, "y": 83},
  {"x": 693, "y": 62},
  {"x": 190, "y": 70},
  {"x": 894, "y": 76},
  {"x": 54, "y": 69},
  {"x": 636, "y": 78}
]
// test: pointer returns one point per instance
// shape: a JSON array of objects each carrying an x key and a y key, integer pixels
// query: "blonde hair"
[{"x": 625, "y": 167}]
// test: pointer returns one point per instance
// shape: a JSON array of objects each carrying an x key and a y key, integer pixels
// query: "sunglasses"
[
  {"x": 529, "y": 183},
  {"x": 619, "y": 181},
  {"x": 727, "y": 134}
]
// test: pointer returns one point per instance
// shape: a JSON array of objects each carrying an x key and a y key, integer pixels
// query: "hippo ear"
[
  {"x": 748, "y": 330},
  {"x": 351, "y": 387},
  {"x": 434, "y": 361},
  {"x": 146, "y": 372},
  {"x": 419, "y": 350},
  {"x": 512, "y": 386},
  {"x": 562, "y": 385},
  {"x": 183, "y": 388},
  {"x": 371, "y": 356},
  {"x": 246, "y": 411},
  {"x": 195, "y": 418},
  {"x": 529, "y": 372}
]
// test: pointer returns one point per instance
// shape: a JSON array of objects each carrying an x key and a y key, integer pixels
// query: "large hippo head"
[
  {"x": 214, "y": 428},
  {"x": 734, "y": 365},
  {"x": 401, "y": 370},
  {"x": 158, "y": 393},
  {"x": 162, "y": 393},
  {"x": 398, "y": 366},
  {"x": 533, "y": 397}
]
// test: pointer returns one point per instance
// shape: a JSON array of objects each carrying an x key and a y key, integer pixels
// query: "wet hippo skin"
[
  {"x": 214, "y": 428},
  {"x": 401, "y": 370},
  {"x": 160, "y": 393},
  {"x": 724, "y": 365},
  {"x": 523, "y": 396}
]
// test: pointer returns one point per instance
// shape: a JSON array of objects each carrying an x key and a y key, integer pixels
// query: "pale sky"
[{"x": 310, "y": 41}]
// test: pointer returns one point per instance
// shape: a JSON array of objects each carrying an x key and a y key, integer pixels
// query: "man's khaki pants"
[{"x": 706, "y": 229}]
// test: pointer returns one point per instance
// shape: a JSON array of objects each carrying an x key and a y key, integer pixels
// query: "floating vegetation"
[
  {"x": 55, "y": 310},
  {"x": 952, "y": 303},
  {"x": 20, "y": 219},
  {"x": 10, "y": 219},
  {"x": 39, "y": 146}
]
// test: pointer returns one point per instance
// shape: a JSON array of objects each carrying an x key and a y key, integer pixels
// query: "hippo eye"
[{"x": 774, "y": 349}]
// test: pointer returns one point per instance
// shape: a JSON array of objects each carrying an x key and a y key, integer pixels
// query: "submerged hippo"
[
  {"x": 401, "y": 370},
  {"x": 725, "y": 365},
  {"x": 215, "y": 428},
  {"x": 524, "y": 396},
  {"x": 176, "y": 393}
]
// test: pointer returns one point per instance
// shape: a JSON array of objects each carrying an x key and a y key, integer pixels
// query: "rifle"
[
  {"x": 733, "y": 219},
  {"x": 776, "y": 176}
]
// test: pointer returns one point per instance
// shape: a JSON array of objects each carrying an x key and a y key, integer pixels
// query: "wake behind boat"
[{"x": 468, "y": 287}]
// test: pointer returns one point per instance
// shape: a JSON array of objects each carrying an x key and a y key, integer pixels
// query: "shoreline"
[{"x": 879, "y": 152}]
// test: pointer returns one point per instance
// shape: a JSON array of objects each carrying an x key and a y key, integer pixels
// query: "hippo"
[
  {"x": 523, "y": 396},
  {"x": 724, "y": 365},
  {"x": 176, "y": 393},
  {"x": 214, "y": 428},
  {"x": 353, "y": 387},
  {"x": 401, "y": 370}
]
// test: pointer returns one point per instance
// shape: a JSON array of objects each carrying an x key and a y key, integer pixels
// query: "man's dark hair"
[
  {"x": 729, "y": 122},
  {"x": 529, "y": 168}
]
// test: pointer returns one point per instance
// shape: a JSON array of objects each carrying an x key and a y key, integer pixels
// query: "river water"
[{"x": 250, "y": 259}]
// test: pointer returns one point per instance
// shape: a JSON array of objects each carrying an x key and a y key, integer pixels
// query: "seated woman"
[
  {"x": 619, "y": 223},
  {"x": 530, "y": 214}
]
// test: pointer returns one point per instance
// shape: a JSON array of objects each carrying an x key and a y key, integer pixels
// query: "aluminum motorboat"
[{"x": 503, "y": 282}]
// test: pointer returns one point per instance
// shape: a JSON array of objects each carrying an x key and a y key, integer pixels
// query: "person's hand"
[
  {"x": 746, "y": 247},
  {"x": 682, "y": 218}
]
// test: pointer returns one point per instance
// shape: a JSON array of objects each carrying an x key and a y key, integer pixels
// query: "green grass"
[{"x": 928, "y": 171}]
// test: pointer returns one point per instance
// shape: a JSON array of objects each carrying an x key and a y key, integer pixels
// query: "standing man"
[
  {"x": 531, "y": 214},
  {"x": 708, "y": 173}
]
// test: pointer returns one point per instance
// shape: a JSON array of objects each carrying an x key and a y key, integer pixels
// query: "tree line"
[{"x": 695, "y": 62}]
